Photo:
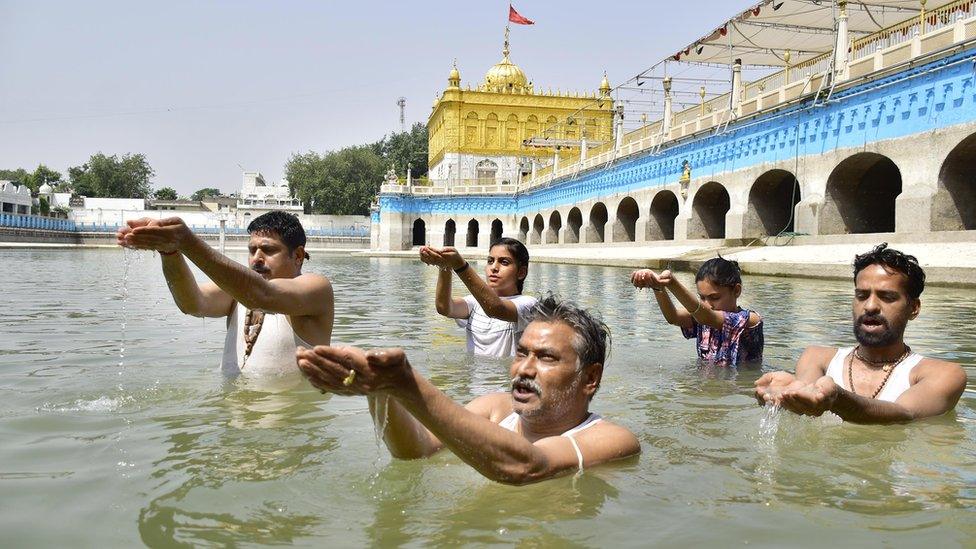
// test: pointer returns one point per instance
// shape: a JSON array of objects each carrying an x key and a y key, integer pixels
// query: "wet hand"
[
  {"x": 646, "y": 278},
  {"x": 770, "y": 386},
  {"x": 164, "y": 235},
  {"x": 445, "y": 258},
  {"x": 812, "y": 399},
  {"x": 351, "y": 371}
]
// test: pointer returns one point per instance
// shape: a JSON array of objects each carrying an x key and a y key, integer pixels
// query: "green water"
[{"x": 162, "y": 450}]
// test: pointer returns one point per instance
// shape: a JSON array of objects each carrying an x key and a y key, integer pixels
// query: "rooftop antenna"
[{"x": 402, "y": 103}]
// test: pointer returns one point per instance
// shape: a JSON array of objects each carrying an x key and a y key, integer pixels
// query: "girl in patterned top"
[{"x": 724, "y": 332}]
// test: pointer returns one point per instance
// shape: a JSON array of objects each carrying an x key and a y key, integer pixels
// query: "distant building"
[
  {"x": 220, "y": 204},
  {"x": 258, "y": 197},
  {"x": 15, "y": 198},
  {"x": 179, "y": 205}
]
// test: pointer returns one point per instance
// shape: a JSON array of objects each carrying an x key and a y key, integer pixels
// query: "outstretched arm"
[
  {"x": 646, "y": 278},
  {"x": 691, "y": 302},
  {"x": 446, "y": 304},
  {"x": 496, "y": 452},
  {"x": 305, "y": 295},
  {"x": 494, "y": 306},
  {"x": 206, "y": 300}
]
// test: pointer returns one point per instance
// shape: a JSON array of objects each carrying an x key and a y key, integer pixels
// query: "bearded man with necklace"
[{"x": 880, "y": 380}]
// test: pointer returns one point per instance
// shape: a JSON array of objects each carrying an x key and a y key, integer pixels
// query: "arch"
[
  {"x": 625, "y": 224},
  {"x": 555, "y": 223},
  {"x": 471, "y": 129},
  {"x": 450, "y": 229},
  {"x": 538, "y": 226},
  {"x": 860, "y": 196},
  {"x": 496, "y": 231},
  {"x": 485, "y": 172},
  {"x": 419, "y": 233},
  {"x": 524, "y": 229},
  {"x": 664, "y": 210},
  {"x": 709, "y": 207},
  {"x": 597, "y": 222},
  {"x": 574, "y": 223},
  {"x": 472, "y": 237},
  {"x": 772, "y": 201},
  {"x": 954, "y": 204}
]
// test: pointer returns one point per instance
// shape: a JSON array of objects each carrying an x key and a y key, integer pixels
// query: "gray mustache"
[{"x": 526, "y": 383}]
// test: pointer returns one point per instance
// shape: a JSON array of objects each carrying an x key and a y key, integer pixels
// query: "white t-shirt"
[{"x": 491, "y": 336}]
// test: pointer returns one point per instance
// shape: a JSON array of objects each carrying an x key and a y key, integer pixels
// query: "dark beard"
[{"x": 885, "y": 337}]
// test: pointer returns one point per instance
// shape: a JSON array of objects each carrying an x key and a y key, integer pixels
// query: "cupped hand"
[
  {"x": 770, "y": 386},
  {"x": 164, "y": 235},
  {"x": 352, "y": 371},
  {"x": 445, "y": 258},
  {"x": 646, "y": 278},
  {"x": 811, "y": 399}
]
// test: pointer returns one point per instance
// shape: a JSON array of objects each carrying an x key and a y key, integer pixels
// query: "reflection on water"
[{"x": 166, "y": 452}]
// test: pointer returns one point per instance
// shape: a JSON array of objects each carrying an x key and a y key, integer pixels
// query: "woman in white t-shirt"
[{"x": 494, "y": 314}]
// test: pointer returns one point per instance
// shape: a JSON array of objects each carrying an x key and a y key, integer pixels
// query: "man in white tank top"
[
  {"x": 542, "y": 428},
  {"x": 271, "y": 306},
  {"x": 880, "y": 380}
]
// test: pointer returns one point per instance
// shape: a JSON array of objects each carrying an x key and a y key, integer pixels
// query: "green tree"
[
  {"x": 206, "y": 193},
  {"x": 166, "y": 193},
  {"x": 402, "y": 148},
  {"x": 111, "y": 177},
  {"x": 341, "y": 182},
  {"x": 43, "y": 205},
  {"x": 19, "y": 176},
  {"x": 43, "y": 175}
]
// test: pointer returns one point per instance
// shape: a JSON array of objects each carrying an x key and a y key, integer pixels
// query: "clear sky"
[{"x": 203, "y": 88}]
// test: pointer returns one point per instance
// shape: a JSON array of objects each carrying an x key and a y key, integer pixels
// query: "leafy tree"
[
  {"x": 111, "y": 177},
  {"x": 341, "y": 182},
  {"x": 166, "y": 193},
  {"x": 43, "y": 205},
  {"x": 34, "y": 180},
  {"x": 206, "y": 193},
  {"x": 43, "y": 175},
  {"x": 20, "y": 175},
  {"x": 402, "y": 148}
]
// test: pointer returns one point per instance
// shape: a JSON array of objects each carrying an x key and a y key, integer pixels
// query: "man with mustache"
[
  {"x": 542, "y": 428},
  {"x": 880, "y": 380},
  {"x": 272, "y": 307}
]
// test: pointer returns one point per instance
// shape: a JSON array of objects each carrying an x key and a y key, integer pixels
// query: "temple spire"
[{"x": 505, "y": 49}]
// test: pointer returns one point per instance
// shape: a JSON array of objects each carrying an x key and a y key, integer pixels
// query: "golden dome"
[
  {"x": 505, "y": 76},
  {"x": 605, "y": 85},
  {"x": 454, "y": 79}
]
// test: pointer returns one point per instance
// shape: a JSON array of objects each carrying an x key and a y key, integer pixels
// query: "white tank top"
[
  {"x": 273, "y": 353},
  {"x": 511, "y": 423},
  {"x": 898, "y": 383}
]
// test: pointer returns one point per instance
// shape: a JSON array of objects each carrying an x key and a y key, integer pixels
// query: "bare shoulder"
[
  {"x": 947, "y": 372},
  {"x": 754, "y": 319},
  {"x": 614, "y": 438},
  {"x": 316, "y": 279},
  {"x": 494, "y": 406}
]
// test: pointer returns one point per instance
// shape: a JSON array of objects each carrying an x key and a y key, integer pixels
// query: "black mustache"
[
  {"x": 526, "y": 384},
  {"x": 261, "y": 269},
  {"x": 878, "y": 318}
]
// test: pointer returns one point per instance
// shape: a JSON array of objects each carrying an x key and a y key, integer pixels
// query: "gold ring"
[{"x": 349, "y": 378}]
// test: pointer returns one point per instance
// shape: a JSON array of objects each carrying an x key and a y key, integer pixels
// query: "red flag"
[{"x": 517, "y": 18}]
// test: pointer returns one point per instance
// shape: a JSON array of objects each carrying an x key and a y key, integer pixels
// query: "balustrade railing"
[{"x": 26, "y": 221}]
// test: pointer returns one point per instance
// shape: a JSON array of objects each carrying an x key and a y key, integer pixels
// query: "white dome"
[{"x": 45, "y": 189}]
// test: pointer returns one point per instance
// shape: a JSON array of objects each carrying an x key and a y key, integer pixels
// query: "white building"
[
  {"x": 15, "y": 198},
  {"x": 258, "y": 197}
]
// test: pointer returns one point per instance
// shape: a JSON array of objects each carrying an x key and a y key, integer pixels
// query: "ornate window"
[{"x": 485, "y": 172}]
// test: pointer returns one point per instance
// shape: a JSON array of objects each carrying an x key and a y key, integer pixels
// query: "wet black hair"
[
  {"x": 518, "y": 251},
  {"x": 721, "y": 271},
  {"x": 896, "y": 261},
  {"x": 281, "y": 224}
]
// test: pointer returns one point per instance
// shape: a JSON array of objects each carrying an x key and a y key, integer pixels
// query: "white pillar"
[
  {"x": 555, "y": 161},
  {"x": 667, "y": 108},
  {"x": 535, "y": 165},
  {"x": 583, "y": 147},
  {"x": 736, "y": 84},
  {"x": 223, "y": 229},
  {"x": 618, "y": 127},
  {"x": 840, "y": 57}
]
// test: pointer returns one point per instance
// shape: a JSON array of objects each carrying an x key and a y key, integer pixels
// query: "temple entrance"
[
  {"x": 450, "y": 228},
  {"x": 496, "y": 231},
  {"x": 472, "y": 238},
  {"x": 419, "y": 233}
]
